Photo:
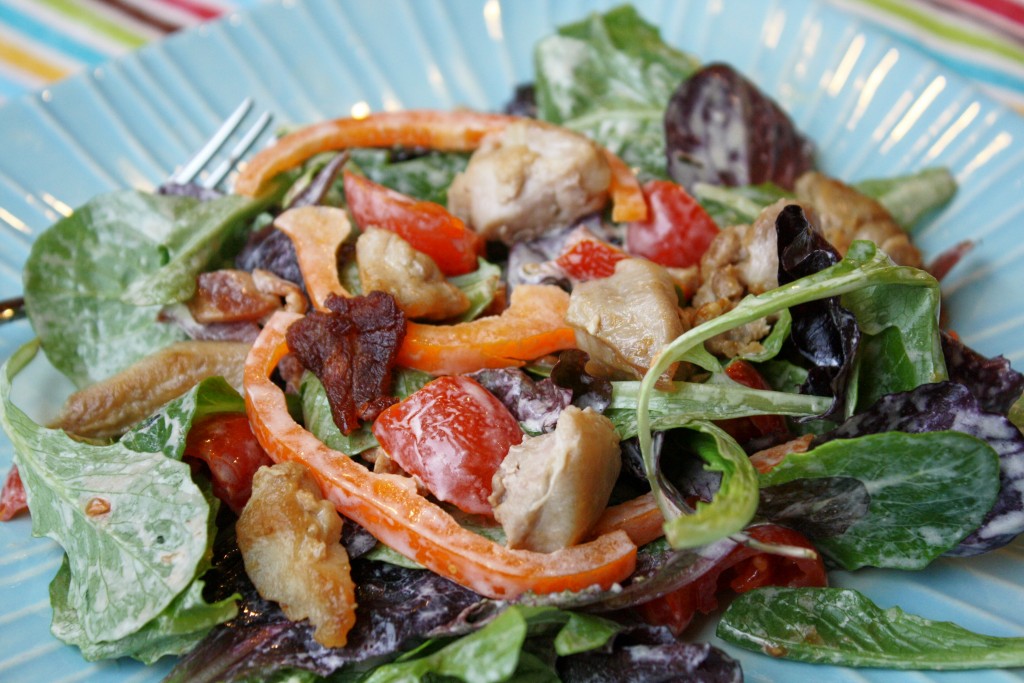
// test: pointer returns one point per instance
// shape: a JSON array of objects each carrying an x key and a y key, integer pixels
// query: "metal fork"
[{"x": 191, "y": 172}]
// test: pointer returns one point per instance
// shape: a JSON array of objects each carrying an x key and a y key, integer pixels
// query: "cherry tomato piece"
[
  {"x": 585, "y": 257},
  {"x": 677, "y": 230},
  {"x": 452, "y": 435},
  {"x": 744, "y": 429},
  {"x": 742, "y": 570},
  {"x": 12, "y": 499},
  {"x": 427, "y": 226},
  {"x": 225, "y": 442}
]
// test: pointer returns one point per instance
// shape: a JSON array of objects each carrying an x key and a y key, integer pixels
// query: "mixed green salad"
[{"x": 516, "y": 396}]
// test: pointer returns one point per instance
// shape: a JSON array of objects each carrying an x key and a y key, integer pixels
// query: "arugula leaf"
[
  {"x": 842, "y": 627},
  {"x": 79, "y": 269},
  {"x": 683, "y": 402},
  {"x": 135, "y": 527},
  {"x": 864, "y": 266},
  {"x": 610, "y": 77},
  {"x": 920, "y": 506}
]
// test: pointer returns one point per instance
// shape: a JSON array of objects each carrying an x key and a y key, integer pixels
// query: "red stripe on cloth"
[
  {"x": 1004, "y": 8},
  {"x": 196, "y": 9},
  {"x": 142, "y": 16}
]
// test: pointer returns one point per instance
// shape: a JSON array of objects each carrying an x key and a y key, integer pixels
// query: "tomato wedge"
[
  {"x": 426, "y": 226},
  {"x": 225, "y": 442},
  {"x": 532, "y": 326},
  {"x": 455, "y": 131},
  {"x": 452, "y": 435},
  {"x": 13, "y": 500},
  {"x": 395, "y": 514},
  {"x": 586, "y": 257},
  {"x": 677, "y": 230},
  {"x": 742, "y": 570}
]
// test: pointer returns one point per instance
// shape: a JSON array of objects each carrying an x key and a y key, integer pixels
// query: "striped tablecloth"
[{"x": 45, "y": 40}]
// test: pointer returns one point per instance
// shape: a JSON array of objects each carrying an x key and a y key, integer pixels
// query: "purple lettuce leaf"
[
  {"x": 950, "y": 406},
  {"x": 535, "y": 403},
  {"x": 570, "y": 372},
  {"x": 650, "y": 654},
  {"x": 992, "y": 381},
  {"x": 823, "y": 332},
  {"x": 398, "y": 608}
]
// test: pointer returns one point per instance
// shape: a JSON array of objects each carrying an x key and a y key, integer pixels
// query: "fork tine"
[
  {"x": 238, "y": 151},
  {"x": 192, "y": 167}
]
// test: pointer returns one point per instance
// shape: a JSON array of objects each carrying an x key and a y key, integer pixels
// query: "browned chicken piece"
[
  {"x": 843, "y": 215},
  {"x": 623, "y": 321},
  {"x": 528, "y": 179},
  {"x": 290, "y": 538},
  {"x": 388, "y": 263},
  {"x": 550, "y": 490},
  {"x": 741, "y": 260},
  {"x": 108, "y": 407}
]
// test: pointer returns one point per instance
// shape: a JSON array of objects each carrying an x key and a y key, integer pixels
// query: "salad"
[{"x": 679, "y": 374}]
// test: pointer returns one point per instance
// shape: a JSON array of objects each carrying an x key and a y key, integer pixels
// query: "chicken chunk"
[
  {"x": 290, "y": 538},
  {"x": 843, "y": 214},
  {"x": 741, "y": 260},
  {"x": 550, "y": 490},
  {"x": 389, "y": 264},
  {"x": 528, "y": 179},
  {"x": 624, "y": 320}
]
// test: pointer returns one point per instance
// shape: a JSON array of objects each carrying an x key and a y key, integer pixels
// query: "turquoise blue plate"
[{"x": 875, "y": 107}]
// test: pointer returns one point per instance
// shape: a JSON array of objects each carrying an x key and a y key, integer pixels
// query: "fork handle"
[{"x": 12, "y": 309}]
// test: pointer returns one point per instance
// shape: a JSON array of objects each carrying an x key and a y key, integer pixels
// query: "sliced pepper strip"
[
  {"x": 532, "y": 326},
  {"x": 396, "y": 515},
  {"x": 317, "y": 232},
  {"x": 456, "y": 131},
  {"x": 640, "y": 517}
]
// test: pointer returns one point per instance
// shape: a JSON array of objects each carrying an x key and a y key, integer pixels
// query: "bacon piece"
[
  {"x": 230, "y": 296},
  {"x": 351, "y": 348}
]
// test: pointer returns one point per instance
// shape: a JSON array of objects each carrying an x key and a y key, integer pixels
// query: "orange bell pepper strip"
[
  {"x": 532, "y": 326},
  {"x": 456, "y": 131},
  {"x": 640, "y": 518},
  {"x": 390, "y": 509},
  {"x": 317, "y": 232}
]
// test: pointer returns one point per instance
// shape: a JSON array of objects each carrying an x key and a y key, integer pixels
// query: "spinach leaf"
[
  {"x": 135, "y": 527},
  {"x": 480, "y": 287},
  {"x": 900, "y": 348},
  {"x": 908, "y": 198},
  {"x": 317, "y": 416},
  {"x": 485, "y": 656},
  {"x": 610, "y": 77},
  {"x": 921, "y": 504},
  {"x": 843, "y": 627},
  {"x": 95, "y": 281},
  {"x": 423, "y": 176}
]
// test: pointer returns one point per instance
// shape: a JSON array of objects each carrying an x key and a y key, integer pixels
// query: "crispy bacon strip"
[{"x": 351, "y": 348}]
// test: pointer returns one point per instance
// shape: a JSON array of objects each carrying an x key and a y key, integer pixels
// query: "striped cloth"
[
  {"x": 45, "y": 40},
  {"x": 42, "y": 41}
]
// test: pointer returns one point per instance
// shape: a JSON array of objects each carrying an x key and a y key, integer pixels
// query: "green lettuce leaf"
[
  {"x": 919, "y": 506},
  {"x": 425, "y": 177},
  {"x": 136, "y": 529},
  {"x": 95, "y": 281},
  {"x": 610, "y": 76},
  {"x": 842, "y": 627}
]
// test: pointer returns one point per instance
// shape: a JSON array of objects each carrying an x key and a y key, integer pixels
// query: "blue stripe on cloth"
[{"x": 51, "y": 37}]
